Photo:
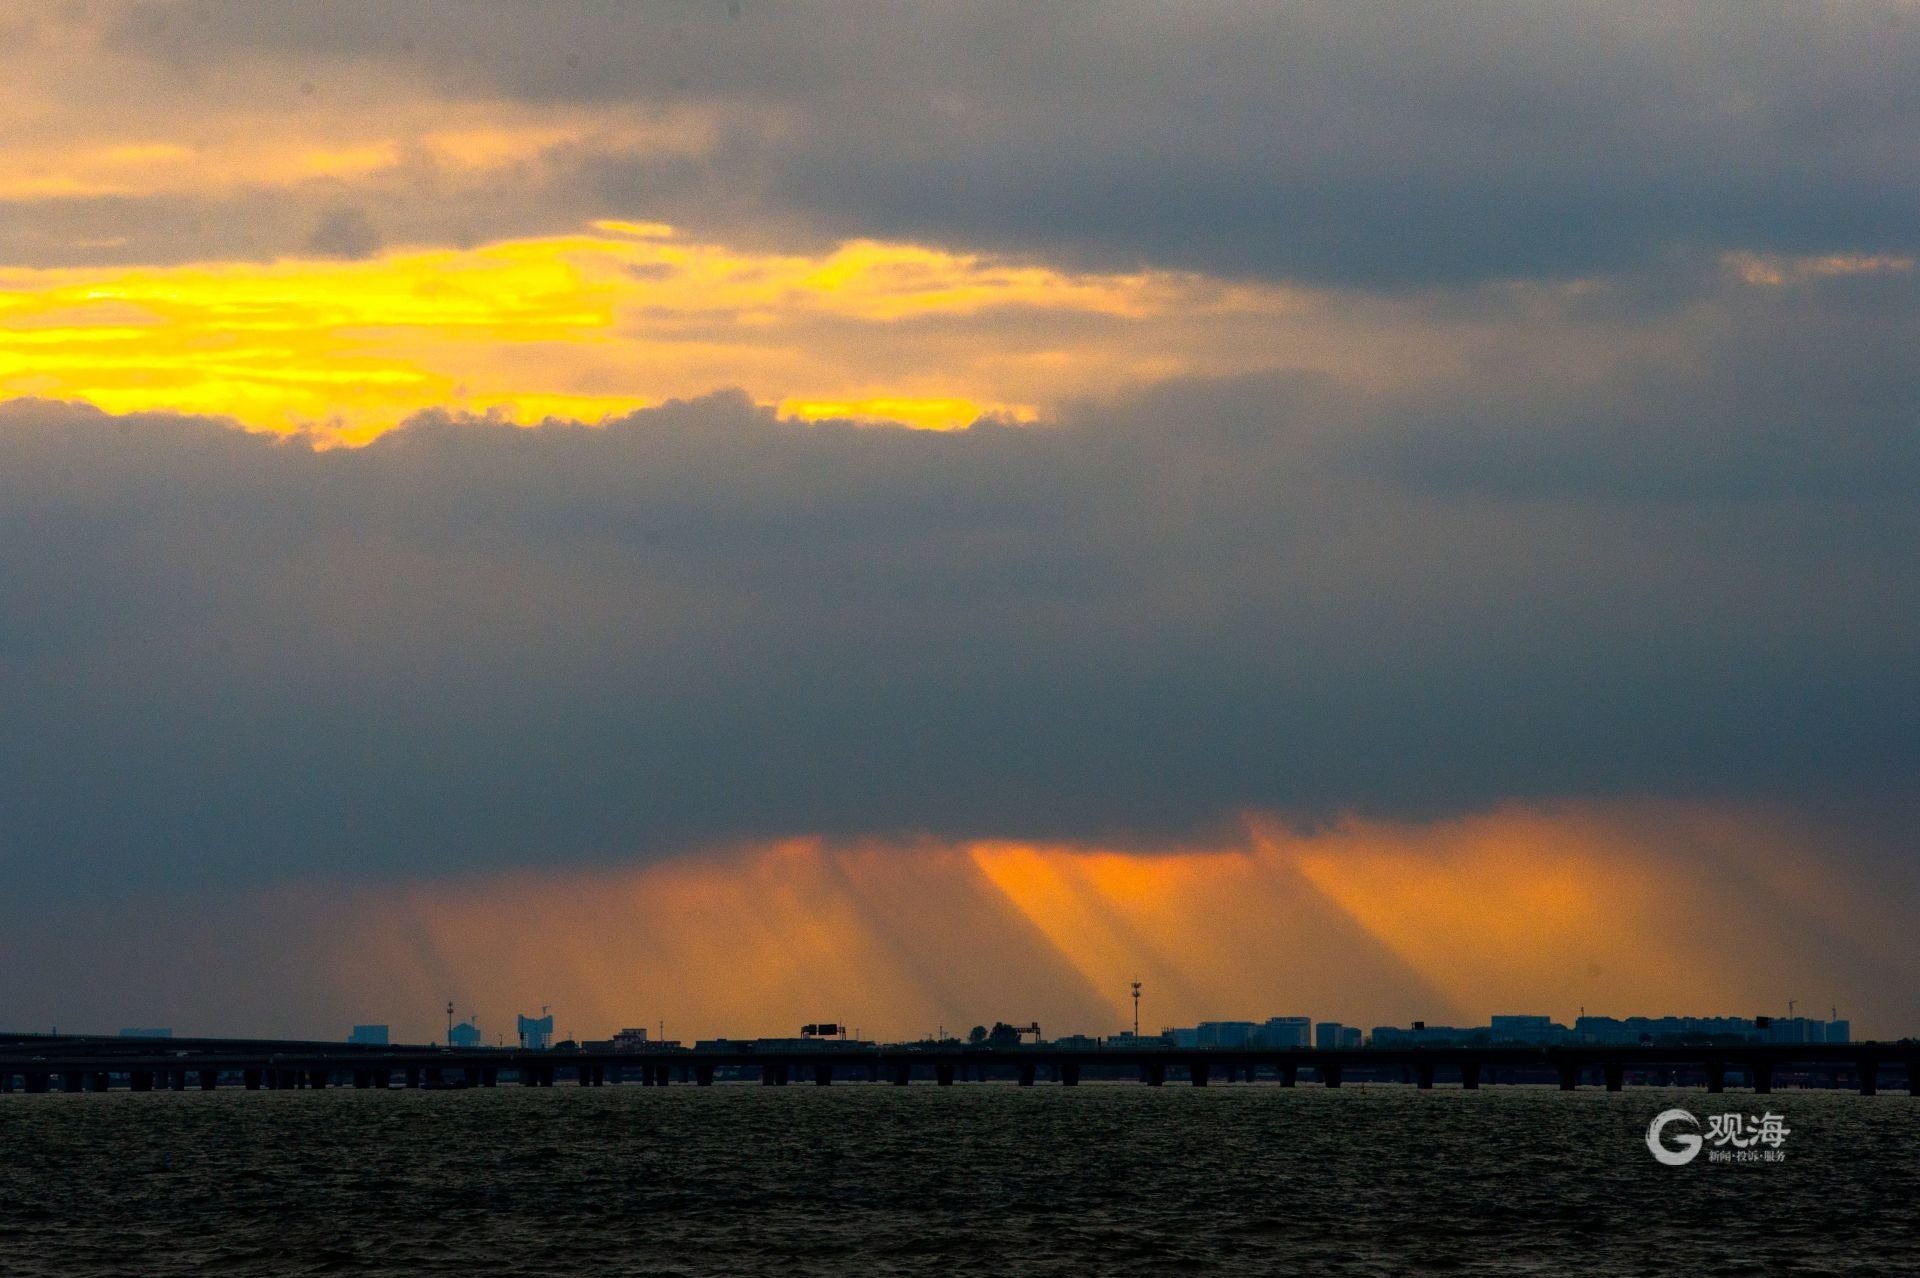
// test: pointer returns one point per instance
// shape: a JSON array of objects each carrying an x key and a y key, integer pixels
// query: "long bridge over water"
[{"x": 47, "y": 1063}]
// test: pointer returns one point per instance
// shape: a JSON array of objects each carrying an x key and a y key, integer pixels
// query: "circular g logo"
[{"x": 1689, "y": 1144}]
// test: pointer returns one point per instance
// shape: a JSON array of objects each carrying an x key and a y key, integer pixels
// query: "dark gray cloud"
[
  {"x": 226, "y": 657},
  {"x": 1363, "y": 143},
  {"x": 345, "y": 233}
]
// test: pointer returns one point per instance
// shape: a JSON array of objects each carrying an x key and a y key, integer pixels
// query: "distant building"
[
  {"x": 1424, "y": 1035},
  {"x": 369, "y": 1035},
  {"x": 465, "y": 1034},
  {"x": 1668, "y": 1030},
  {"x": 536, "y": 1035},
  {"x": 631, "y": 1040},
  {"x": 1803, "y": 1029},
  {"x": 1285, "y": 1031},
  {"x": 146, "y": 1033},
  {"x": 1224, "y": 1033},
  {"x": 1534, "y": 1030},
  {"x": 1331, "y": 1036}
]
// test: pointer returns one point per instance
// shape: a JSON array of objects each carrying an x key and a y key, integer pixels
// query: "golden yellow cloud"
[{"x": 593, "y": 324}]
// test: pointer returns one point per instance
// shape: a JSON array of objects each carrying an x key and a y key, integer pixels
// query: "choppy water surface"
[{"x": 992, "y": 1179}]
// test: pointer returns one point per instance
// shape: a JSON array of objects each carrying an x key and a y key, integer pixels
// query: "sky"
[{"x": 733, "y": 514}]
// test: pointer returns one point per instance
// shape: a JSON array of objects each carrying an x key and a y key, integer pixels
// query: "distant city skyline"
[{"x": 1279, "y": 1031}]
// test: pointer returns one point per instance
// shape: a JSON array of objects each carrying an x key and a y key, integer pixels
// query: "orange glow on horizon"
[{"x": 1519, "y": 910}]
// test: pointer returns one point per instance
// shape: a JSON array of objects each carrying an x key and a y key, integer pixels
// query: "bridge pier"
[
  {"x": 141, "y": 1080},
  {"x": 1616, "y": 1074},
  {"x": 209, "y": 1079},
  {"x": 1762, "y": 1075},
  {"x": 823, "y": 1075},
  {"x": 1154, "y": 1073},
  {"x": 1869, "y": 1077},
  {"x": 73, "y": 1081},
  {"x": 250, "y": 1079},
  {"x": 1197, "y": 1073},
  {"x": 1289, "y": 1074},
  {"x": 1028, "y": 1071},
  {"x": 100, "y": 1081},
  {"x": 703, "y": 1074},
  {"x": 1913, "y": 1076},
  {"x": 943, "y": 1075},
  {"x": 1470, "y": 1075},
  {"x": 1329, "y": 1076},
  {"x": 413, "y": 1077},
  {"x": 1716, "y": 1077},
  {"x": 1569, "y": 1076},
  {"x": 1070, "y": 1073},
  {"x": 1425, "y": 1070},
  {"x": 665, "y": 1075},
  {"x": 317, "y": 1079},
  {"x": 35, "y": 1083}
]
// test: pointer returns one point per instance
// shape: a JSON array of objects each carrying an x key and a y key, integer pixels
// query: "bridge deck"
[{"x": 38, "y": 1062}]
